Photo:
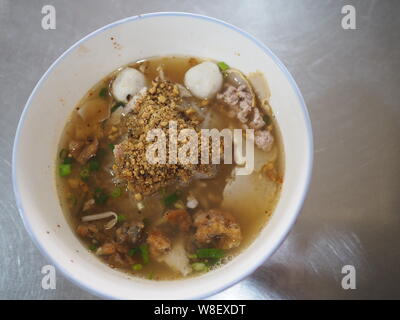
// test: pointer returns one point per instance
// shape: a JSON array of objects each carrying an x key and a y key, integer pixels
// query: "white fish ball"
[
  {"x": 128, "y": 82},
  {"x": 204, "y": 80}
]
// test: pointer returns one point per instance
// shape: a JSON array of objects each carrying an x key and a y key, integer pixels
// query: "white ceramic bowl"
[{"x": 76, "y": 71}]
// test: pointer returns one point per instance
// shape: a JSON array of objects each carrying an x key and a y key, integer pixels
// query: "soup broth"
[{"x": 168, "y": 221}]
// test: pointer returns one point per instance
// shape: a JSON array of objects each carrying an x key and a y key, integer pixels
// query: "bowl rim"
[{"x": 265, "y": 49}]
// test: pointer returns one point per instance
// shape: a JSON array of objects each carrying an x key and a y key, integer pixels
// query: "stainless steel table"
[{"x": 350, "y": 80}]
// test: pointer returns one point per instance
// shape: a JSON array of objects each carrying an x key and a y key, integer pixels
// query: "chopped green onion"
[
  {"x": 92, "y": 247},
  {"x": 223, "y": 66},
  {"x": 85, "y": 174},
  {"x": 192, "y": 256},
  {"x": 68, "y": 160},
  {"x": 199, "y": 266},
  {"x": 170, "y": 200},
  {"x": 210, "y": 253},
  {"x": 150, "y": 276},
  {"x": 116, "y": 106},
  {"x": 63, "y": 153},
  {"x": 133, "y": 251},
  {"x": 111, "y": 146},
  {"x": 100, "y": 197},
  {"x": 179, "y": 204},
  {"x": 116, "y": 192},
  {"x": 211, "y": 261},
  {"x": 93, "y": 165},
  {"x": 65, "y": 169},
  {"x": 64, "y": 156},
  {"x": 137, "y": 267},
  {"x": 121, "y": 218},
  {"x": 103, "y": 92},
  {"x": 146, "y": 222},
  {"x": 267, "y": 119},
  {"x": 144, "y": 250}
]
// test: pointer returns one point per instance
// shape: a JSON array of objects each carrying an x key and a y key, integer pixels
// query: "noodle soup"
[{"x": 171, "y": 220}]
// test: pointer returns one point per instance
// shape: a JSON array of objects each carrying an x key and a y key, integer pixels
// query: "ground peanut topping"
[{"x": 160, "y": 104}]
